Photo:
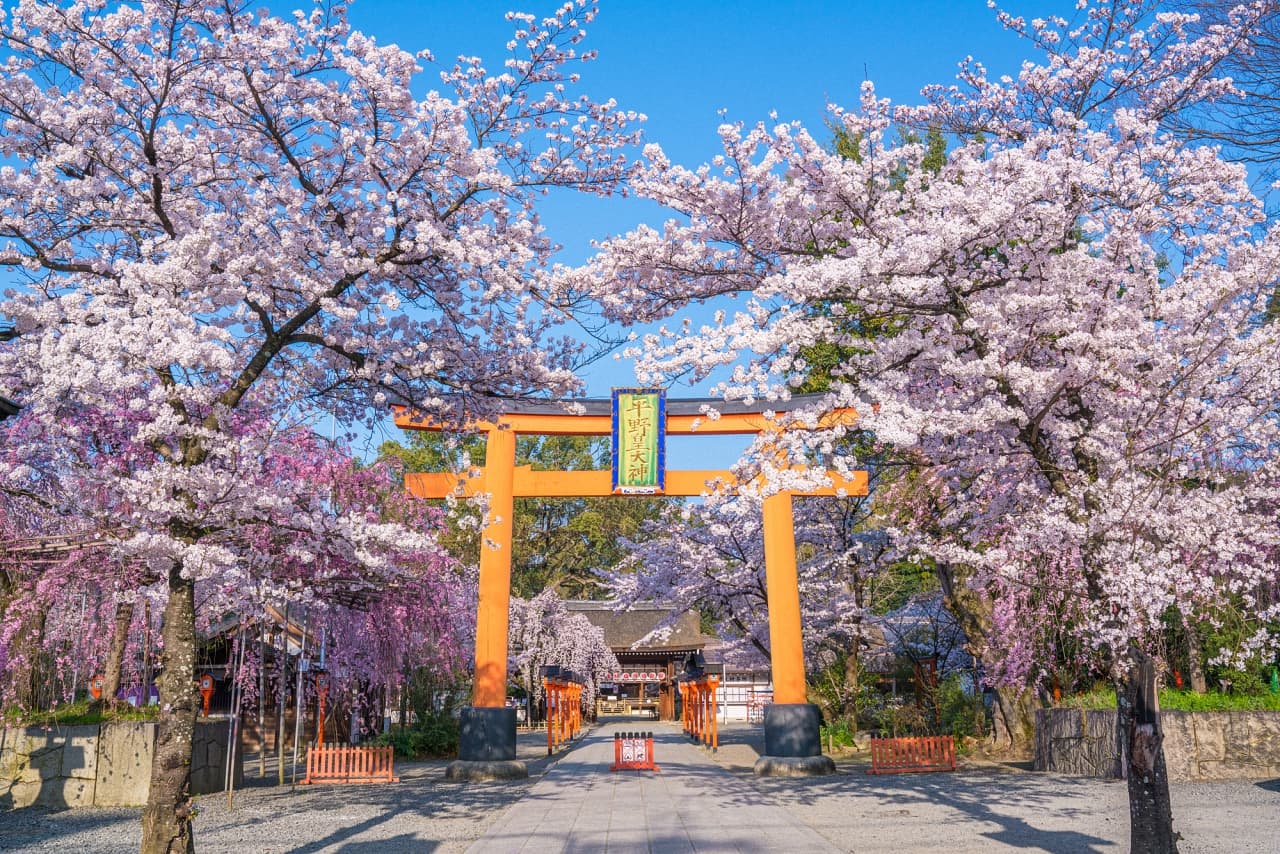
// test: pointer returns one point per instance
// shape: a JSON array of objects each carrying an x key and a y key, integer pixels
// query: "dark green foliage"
[
  {"x": 434, "y": 736},
  {"x": 80, "y": 713},
  {"x": 960, "y": 713},
  {"x": 563, "y": 542},
  {"x": 839, "y": 732}
]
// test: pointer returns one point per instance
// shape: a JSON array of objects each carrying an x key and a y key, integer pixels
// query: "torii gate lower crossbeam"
[{"x": 487, "y": 748}]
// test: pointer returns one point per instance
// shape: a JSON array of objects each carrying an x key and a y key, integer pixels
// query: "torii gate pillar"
[
  {"x": 487, "y": 728},
  {"x": 487, "y": 748}
]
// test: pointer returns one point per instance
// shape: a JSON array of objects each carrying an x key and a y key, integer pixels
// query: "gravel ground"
[
  {"x": 422, "y": 813},
  {"x": 990, "y": 806},
  {"x": 981, "y": 808}
]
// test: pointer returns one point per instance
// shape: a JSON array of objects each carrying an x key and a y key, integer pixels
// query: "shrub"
[
  {"x": 899, "y": 718},
  {"x": 960, "y": 712},
  {"x": 80, "y": 713},
  {"x": 434, "y": 736},
  {"x": 839, "y": 732}
]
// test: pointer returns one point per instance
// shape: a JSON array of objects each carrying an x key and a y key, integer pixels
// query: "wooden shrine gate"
[{"x": 487, "y": 748}]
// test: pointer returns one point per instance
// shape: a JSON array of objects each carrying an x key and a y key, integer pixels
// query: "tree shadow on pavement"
[{"x": 975, "y": 795}]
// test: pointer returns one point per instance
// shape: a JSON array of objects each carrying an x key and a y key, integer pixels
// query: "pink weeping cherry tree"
[
  {"x": 344, "y": 542},
  {"x": 544, "y": 632}
]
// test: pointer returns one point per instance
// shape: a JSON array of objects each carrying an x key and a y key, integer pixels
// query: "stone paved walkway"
[
  {"x": 692, "y": 804},
  {"x": 572, "y": 803}
]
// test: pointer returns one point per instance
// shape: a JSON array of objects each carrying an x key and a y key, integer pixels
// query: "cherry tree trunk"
[
  {"x": 115, "y": 655},
  {"x": 1195, "y": 657},
  {"x": 27, "y": 684},
  {"x": 1013, "y": 719},
  {"x": 852, "y": 675},
  {"x": 1141, "y": 740},
  {"x": 166, "y": 820}
]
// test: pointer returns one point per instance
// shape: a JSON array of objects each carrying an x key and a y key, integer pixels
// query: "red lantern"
[{"x": 206, "y": 690}]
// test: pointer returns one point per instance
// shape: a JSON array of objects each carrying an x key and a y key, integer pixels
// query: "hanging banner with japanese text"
[{"x": 639, "y": 441}]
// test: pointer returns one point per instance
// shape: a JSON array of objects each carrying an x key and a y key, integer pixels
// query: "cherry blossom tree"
[
  {"x": 214, "y": 211},
  {"x": 383, "y": 608},
  {"x": 544, "y": 632},
  {"x": 1079, "y": 355},
  {"x": 710, "y": 558},
  {"x": 59, "y": 579}
]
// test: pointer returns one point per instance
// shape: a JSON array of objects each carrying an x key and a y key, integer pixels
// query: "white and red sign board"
[{"x": 633, "y": 750}]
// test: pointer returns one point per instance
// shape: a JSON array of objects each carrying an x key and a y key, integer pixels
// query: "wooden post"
[
  {"x": 284, "y": 684},
  {"x": 262, "y": 697},
  {"x": 715, "y": 724},
  {"x": 495, "y": 572},
  {"x": 684, "y": 707},
  {"x": 785, "y": 645},
  {"x": 546, "y": 698}
]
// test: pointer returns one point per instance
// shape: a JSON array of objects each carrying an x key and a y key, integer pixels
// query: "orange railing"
[
  {"x": 698, "y": 698},
  {"x": 350, "y": 765},
  {"x": 924, "y": 753}
]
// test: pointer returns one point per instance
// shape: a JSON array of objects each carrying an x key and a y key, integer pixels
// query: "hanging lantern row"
[{"x": 635, "y": 676}]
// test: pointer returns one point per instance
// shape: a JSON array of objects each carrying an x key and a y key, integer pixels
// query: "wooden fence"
[
  {"x": 350, "y": 765},
  {"x": 924, "y": 753}
]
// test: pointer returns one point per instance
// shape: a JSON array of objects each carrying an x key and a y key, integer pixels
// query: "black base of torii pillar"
[
  {"x": 486, "y": 746},
  {"x": 793, "y": 742}
]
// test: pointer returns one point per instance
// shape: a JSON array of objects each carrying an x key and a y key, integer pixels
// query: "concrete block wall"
[
  {"x": 99, "y": 765},
  {"x": 1197, "y": 745}
]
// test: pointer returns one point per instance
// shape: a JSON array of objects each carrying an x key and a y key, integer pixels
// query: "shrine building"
[{"x": 651, "y": 648}]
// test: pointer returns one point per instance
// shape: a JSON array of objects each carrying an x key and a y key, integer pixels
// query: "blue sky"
[{"x": 690, "y": 66}]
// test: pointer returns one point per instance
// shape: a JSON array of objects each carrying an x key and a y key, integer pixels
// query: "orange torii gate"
[{"x": 487, "y": 747}]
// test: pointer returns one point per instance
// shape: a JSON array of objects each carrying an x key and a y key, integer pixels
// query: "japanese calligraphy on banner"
[{"x": 639, "y": 441}]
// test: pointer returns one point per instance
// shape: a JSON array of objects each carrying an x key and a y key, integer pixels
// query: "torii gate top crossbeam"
[{"x": 592, "y": 417}]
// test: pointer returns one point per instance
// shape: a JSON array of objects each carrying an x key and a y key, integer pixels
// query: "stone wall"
[
  {"x": 1197, "y": 745},
  {"x": 99, "y": 765}
]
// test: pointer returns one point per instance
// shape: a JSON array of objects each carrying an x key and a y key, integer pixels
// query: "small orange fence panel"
[
  {"x": 901, "y": 755},
  {"x": 633, "y": 751},
  {"x": 350, "y": 765},
  {"x": 755, "y": 707}
]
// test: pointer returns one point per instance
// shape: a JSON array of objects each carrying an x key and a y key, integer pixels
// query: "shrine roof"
[
  {"x": 675, "y": 405},
  {"x": 642, "y": 627}
]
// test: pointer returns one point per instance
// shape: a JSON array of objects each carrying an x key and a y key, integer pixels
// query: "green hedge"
[
  {"x": 1173, "y": 700},
  {"x": 80, "y": 713}
]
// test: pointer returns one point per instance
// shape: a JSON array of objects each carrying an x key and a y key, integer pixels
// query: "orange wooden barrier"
[
  {"x": 350, "y": 765},
  {"x": 633, "y": 751},
  {"x": 902, "y": 755},
  {"x": 700, "y": 706}
]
